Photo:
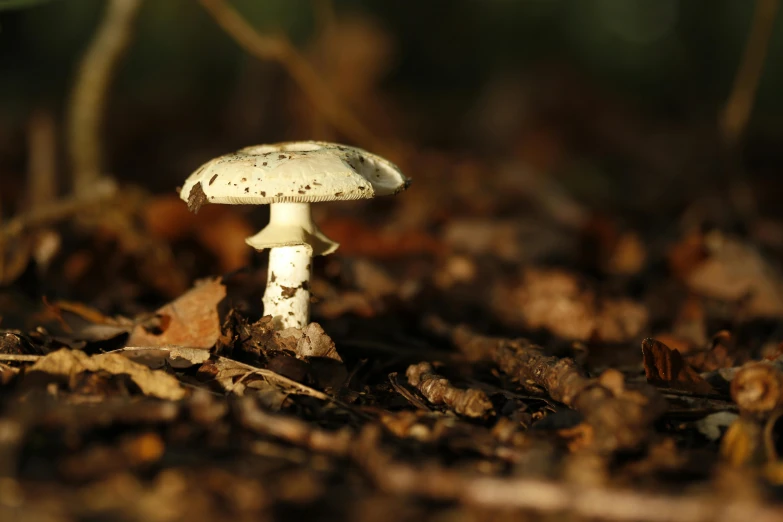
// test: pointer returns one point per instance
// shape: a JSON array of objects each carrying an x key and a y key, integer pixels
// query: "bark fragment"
[
  {"x": 621, "y": 414},
  {"x": 470, "y": 402}
]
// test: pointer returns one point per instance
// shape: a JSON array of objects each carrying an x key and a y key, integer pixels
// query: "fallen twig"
[
  {"x": 86, "y": 106},
  {"x": 438, "y": 390},
  {"x": 18, "y": 357},
  {"x": 621, "y": 414},
  {"x": 292, "y": 430}
]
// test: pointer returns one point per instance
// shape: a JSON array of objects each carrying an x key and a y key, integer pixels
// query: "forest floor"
[{"x": 482, "y": 346}]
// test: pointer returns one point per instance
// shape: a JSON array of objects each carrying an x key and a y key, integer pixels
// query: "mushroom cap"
[{"x": 293, "y": 172}]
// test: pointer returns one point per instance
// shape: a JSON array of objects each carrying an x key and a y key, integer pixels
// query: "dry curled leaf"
[
  {"x": 190, "y": 320},
  {"x": 312, "y": 341},
  {"x": 68, "y": 363},
  {"x": 667, "y": 368},
  {"x": 234, "y": 377}
]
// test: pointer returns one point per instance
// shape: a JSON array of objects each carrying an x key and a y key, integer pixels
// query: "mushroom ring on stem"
[{"x": 289, "y": 177}]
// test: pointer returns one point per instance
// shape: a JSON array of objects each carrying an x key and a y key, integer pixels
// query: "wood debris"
[
  {"x": 621, "y": 414},
  {"x": 438, "y": 390}
]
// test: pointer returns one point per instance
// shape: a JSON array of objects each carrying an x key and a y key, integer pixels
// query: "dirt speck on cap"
[{"x": 196, "y": 198}]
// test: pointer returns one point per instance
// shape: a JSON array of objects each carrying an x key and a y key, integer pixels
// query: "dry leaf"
[
  {"x": 312, "y": 341},
  {"x": 78, "y": 322},
  {"x": 736, "y": 271},
  {"x": 566, "y": 305},
  {"x": 722, "y": 353},
  {"x": 230, "y": 374},
  {"x": 666, "y": 367},
  {"x": 67, "y": 363},
  {"x": 190, "y": 320},
  {"x": 159, "y": 356}
]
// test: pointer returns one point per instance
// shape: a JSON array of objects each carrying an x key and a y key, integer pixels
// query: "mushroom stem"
[
  {"x": 292, "y": 239},
  {"x": 287, "y": 296}
]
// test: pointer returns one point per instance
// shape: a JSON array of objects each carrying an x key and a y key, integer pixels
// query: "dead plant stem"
[
  {"x": 278, "y": 48},
  {"x": 87, "y": 104}
]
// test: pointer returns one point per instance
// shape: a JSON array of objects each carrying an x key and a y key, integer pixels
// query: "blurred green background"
[{"x": 452, "y": 74}]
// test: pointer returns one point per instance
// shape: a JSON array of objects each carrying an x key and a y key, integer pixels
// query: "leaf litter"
[{"x": 498, "y": 342}]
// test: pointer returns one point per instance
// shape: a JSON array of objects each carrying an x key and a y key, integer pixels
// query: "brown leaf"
[
  {"x": 158, "y": 357},
  {"x": 67, "y": 363},
  {"x": 564, "y": 304},
  {"x": 666, "y": 368},
  {"x": 722, "y": 353},
  {"x": 77, "y": 321},
  {"x": 236, "y": 377},
  {"x": 190, "y": 320},
  {"x": 312, "y": 341},
  {"x": 737, "y": 271}
]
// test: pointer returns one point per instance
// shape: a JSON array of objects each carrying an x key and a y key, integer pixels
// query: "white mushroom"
[{"x": 288, "y": 177}]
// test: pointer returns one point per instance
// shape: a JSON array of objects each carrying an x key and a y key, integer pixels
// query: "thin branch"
[
  {"x": 437, "y": 389},
  {"x": 86, "y": 107},
  {"x": 292, "y": 430},
  {"x": 736, "y": 113},
  {"x": 278, "y": 48},
  {"x": 19, "y": 357}
]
